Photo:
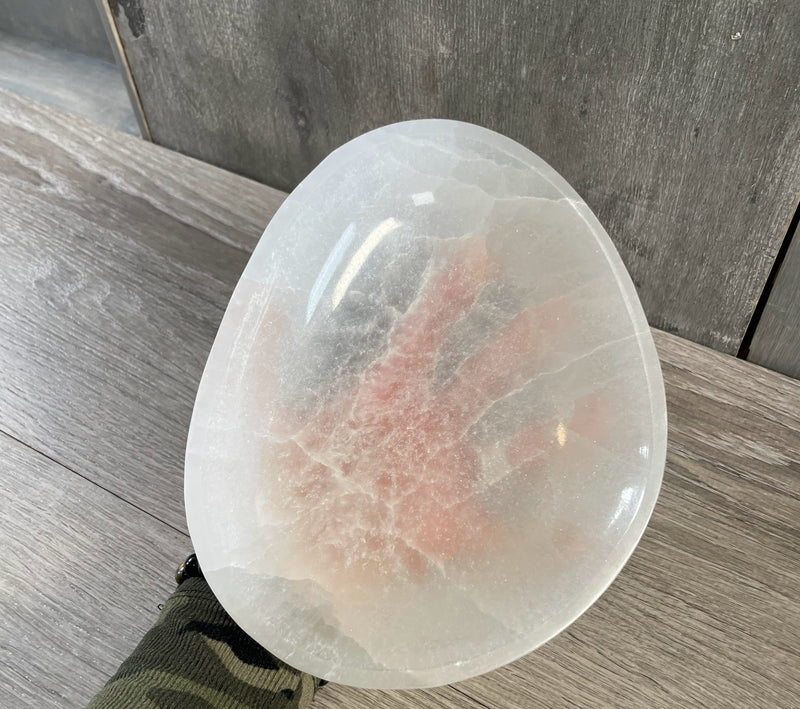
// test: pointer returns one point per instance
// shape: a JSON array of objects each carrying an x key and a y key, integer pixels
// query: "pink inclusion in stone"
[{"x": 393, "y": 451}]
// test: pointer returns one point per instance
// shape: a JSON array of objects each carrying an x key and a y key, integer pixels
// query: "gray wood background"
[
  {"x": 677, "y": 122},
  {"x": 70, "y": 24},
  {"x": 117, "y": 258},
  {"x": 776, "y": 341}
]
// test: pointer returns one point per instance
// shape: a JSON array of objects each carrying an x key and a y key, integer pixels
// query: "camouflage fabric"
[{"x": 196, "y": 656}]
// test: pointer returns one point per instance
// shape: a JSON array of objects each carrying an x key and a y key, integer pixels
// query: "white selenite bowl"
[{"x": 432, "y": 428}]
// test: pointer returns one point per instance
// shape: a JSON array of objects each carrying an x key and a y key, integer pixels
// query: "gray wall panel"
[{"x": 677, "y": 122}]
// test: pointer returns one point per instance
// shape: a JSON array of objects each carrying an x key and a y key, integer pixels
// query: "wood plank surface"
[
  {"x": 112, "y": 294},
  {"x": 776, "y": 341},
  {"x": 81, "y": 576},
  {"x": 116, "y": 260},
  {"x": 677, "y": 122}
]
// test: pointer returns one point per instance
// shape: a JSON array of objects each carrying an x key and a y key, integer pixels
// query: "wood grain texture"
[
  {"x": 117, "y": 258},
  {"x": 685, "y": 142},
  {"x": 73, "y": 25},
  {"x": 81, "y": 577},
  {"x": 776, "y": 341},
  {"x": 333, "y": 696},
  {"x": 112, "y": 294}
]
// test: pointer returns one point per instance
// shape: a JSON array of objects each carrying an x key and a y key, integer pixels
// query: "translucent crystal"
[{"x": 432, "y": 427}]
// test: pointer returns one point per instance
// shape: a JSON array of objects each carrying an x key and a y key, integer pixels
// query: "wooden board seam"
[
  {"x": 15, "y": 438},
  {"x": 769, "y": 284}
]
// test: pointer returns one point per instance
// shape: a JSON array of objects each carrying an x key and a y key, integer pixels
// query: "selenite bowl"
[{"x": 431, "y": 429}]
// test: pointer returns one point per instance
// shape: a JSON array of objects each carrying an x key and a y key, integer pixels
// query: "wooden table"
[{"x": 117, "y": 259}]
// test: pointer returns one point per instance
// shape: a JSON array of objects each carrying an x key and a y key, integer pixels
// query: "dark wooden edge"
[
  {"x": 780, "y": 257},
  {"x": 110, "y": 26}
]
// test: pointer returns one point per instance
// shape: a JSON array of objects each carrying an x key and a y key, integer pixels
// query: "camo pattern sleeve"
[{"x": 196, "y": 656}]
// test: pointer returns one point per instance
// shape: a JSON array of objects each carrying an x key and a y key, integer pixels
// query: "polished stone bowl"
[{"x": 432, "y": 426}]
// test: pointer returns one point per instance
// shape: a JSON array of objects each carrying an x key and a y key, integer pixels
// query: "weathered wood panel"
[
  {"x": 72, "y": 24},
  {"x": 117, "y": 259},
  {"x": 677, "y": 122},
  {"x": 776, "y": 341},
  {"x": 334, "y": 696},
  {"x": 81, "y": 577},
  {"x": 99, "y": 371}
]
